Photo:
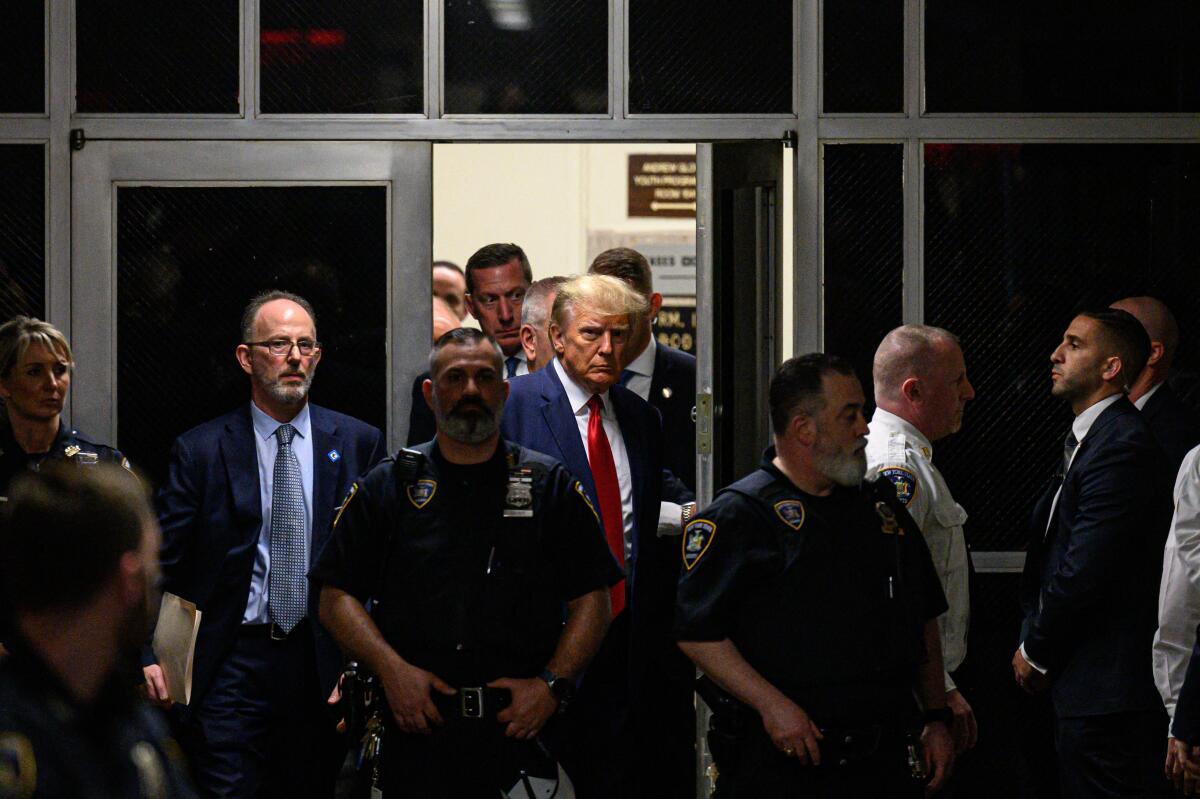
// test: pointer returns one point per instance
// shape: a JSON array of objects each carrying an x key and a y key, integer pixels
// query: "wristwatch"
[
  {"x": 943, "y": 714},
  {"x": 561, "y": 688}
]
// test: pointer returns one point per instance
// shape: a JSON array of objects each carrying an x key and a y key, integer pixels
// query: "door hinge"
[
  {"x": 704, "y": 423},
  {"x": 78, "y": 139}
]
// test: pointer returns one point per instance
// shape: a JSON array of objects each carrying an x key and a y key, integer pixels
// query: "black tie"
[
  {"x": 510, "y": 365},
  {"x": 1068, "y": 450}
]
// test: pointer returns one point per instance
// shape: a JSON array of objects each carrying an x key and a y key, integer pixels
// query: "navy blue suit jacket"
[
  {"x": 210, "y": 511},
  {"x": 1173, "y": 424},
  {"x": 1090, "y": 587},
  {"x": 538, "y": 416},
  {"x": 675, "y": 371}
]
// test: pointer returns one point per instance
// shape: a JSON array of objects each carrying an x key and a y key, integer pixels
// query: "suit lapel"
[
  {"x": 241, "y": 466},
  {"x": 327, "y": 473},
  {"x": 561, "y": 423}
]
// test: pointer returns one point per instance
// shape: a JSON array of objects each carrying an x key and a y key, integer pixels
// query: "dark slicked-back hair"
[
  {"x": 63, "y": 530},
  {"x": 463, "y": 337},
  {"x": 259, "y": 300},
  {"x": 796, "y": 386},
  {"x": 493, "y": 255},
  {"x": 625, "y": 264},
  {"x": 1125, "y": 337}
]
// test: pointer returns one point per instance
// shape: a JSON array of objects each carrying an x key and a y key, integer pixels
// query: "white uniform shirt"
[
  {"x": 1179, "y": 591},
  {"x": 898, "y": 451}
]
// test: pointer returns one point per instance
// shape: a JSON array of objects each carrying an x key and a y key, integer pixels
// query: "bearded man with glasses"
[{"x": 247, "y": 504}]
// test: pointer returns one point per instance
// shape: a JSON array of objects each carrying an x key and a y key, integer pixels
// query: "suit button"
[
  {"x": 849, "y": 740},
  {"x": 843, "y": 762}
]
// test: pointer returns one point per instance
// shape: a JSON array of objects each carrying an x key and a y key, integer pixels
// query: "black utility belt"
[{"x": 473, "y": 704}]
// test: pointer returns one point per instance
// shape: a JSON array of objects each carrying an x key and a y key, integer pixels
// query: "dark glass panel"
[
  {"x": 863, "y": 55},
  {"x": 984, "y": 56},
  {"x": 864, "y": 250},
  {"x": 526, "y": 56},
  {"x": 189, "y": 259},
  {"x": 23, "y": 58},
  {"x": 1017, "y": 239},
  {"x": 148, "y": 56},
  {"x": 342, "y": 58},
  {"x": 710, "y": 57},
  {"x": 23, "y": 230}
]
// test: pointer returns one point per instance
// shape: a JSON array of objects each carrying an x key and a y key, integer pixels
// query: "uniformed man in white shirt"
[{"x": 921, "y": 389}]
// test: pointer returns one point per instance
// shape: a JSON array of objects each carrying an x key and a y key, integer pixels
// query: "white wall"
[{"x": 548, "y": 197}]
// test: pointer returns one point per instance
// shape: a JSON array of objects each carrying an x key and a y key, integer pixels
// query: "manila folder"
[{"x": 175, "y": 644}]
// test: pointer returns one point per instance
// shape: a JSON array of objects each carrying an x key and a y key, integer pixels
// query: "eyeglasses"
[
  {"x": 514, "y": 297},
  {"x": 283, "y": 346}
]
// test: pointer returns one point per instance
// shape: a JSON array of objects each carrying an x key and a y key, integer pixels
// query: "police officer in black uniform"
[
  {"x": 35, "y": 374},
  {"x": 72, "y": 723},
  {"x": 490, "y": 580},
  {"x": 809, "y": 600}
]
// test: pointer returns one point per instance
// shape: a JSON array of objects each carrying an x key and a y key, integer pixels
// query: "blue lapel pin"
[{"x": 334, "y": 455}]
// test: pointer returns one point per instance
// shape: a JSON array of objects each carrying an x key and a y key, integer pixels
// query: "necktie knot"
[
  {"x": 1069, "y": 446},
  {"x": 284, "y": 433},
  {"x": 510, "y": 365},
  {"x": 595, "y": 405},
  {"x": 626, "y": 376}
]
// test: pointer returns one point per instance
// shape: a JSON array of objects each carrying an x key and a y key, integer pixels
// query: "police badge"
[
  {"x": 518, "y": 502},
  {"x": 890, "y": 525},
  {"x": 420, "y": 492},
  {"x": 790, "y": 512},
  {"x": 697, "y": 537}
]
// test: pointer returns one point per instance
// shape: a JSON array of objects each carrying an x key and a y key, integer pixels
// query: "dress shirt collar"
[
  {"x": 577, "y": 396},
  {"x": 1084, "y": 421},
  {"x": 265, "y": 426},
  {"x": 1142, "y": 400},
  {"x": 891, "y": 421},
  {"x": 644, "y": 363}
]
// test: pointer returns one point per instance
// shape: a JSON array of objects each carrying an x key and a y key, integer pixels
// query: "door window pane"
[
  {"x": 318, "y": 57},
  {"x": 1017, "y": 239},
  {"x": 863, "y": 55},
  {"x": 864, "y": 251},
  {"x": 526, "y": 57},
  {"x": 1043, "y": 57},
  {"x": 22, "y": 230},
  {"x": 189, "y": 259},
  {"x": 23, "y": 58},
  {"x": 148, "y": 56},
  {"x": 710, "y": 58}
]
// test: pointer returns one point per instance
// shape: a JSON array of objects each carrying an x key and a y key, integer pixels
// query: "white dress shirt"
[
  {"x": 578, "y": 398},
  {"x": 1140, "y": 402},
  {"x": 897, "y": 447},
  {"x": 1080, "y": 427},
  {"x": 1179, "y": 591},
  {"x": 642, "y": 369},
  {"x": 266, "y": 445}
]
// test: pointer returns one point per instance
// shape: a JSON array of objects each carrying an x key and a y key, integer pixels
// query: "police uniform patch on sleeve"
[
  {"x": 586, "y": 501},
  {"x": 337, "y": 514},
  {"x": 790, "y": 512},
  {"x": 18, "y": 768},
  {"x": 697, "y": 538},
  {"x": 904, "y": 481},
  {"x": 420, "y": 492}
]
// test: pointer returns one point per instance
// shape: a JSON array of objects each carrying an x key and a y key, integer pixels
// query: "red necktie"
[{"x": 608, "y": 491}]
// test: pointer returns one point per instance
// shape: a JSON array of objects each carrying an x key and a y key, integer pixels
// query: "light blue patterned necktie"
[{"x": 287, "y": 588}]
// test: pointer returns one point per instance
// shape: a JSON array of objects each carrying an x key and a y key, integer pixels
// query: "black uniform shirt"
[
  {"x": 826, "y": 597},
  {"x": 53, "y": 748},
  {"x": 460, "y": 589},
  {"x": 69, "y": 445}
]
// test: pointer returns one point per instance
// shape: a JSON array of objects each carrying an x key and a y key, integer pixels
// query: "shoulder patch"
[
  {"x": 578, "y": 486},
  {"x": 697, "y": 538},
  {"x": 337, "y": 514},
  {"x": 420, "y": 492},
  {"x": 790, "y": 512},
  {"x": 18, "y": 768},
  {"x": 904, "y": 481}
]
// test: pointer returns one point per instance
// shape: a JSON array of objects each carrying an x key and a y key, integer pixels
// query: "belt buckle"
[
  {"x": 276, "y": 632},
  {"x": 471, "y": 702}
]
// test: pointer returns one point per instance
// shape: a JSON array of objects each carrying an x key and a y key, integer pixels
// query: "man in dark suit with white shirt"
[
  {"x": 630, "y": 723},
  {"x": 498, "y": 275},
  {"x": 246, "y": 507},
  {"x": 663, "y": 376},
  {"x": 1172, "y": 422},
  {"x": 1090, "y": 587}
]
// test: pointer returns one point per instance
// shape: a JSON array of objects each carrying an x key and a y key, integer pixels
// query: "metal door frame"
[{"x": 102, "y": 167}]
